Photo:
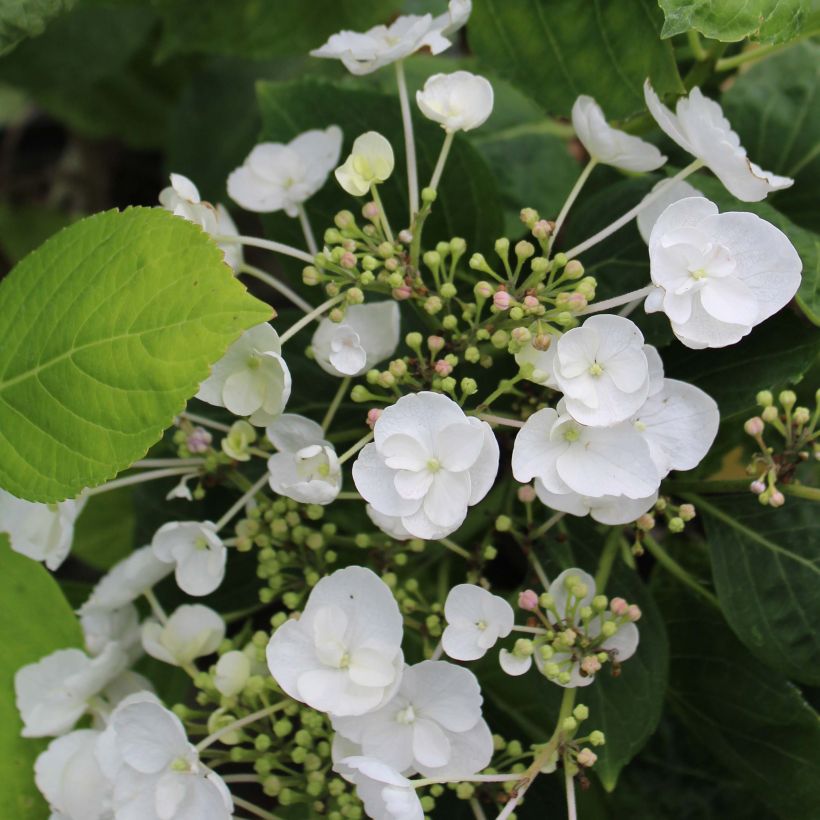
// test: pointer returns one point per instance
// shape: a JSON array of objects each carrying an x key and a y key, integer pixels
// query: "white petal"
[{"x": 514, "y": 665}]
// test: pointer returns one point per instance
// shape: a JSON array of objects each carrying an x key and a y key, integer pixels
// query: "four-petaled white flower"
[
  {"x": 371, "y": 161},
  {"x": 460, "y": 101},
  {"x": 251, "y": 379},
  {"x": 699, "y": 127},
  {"x": 368, "y": 334},
  {"x": 43, "y": 532},
  {"x": 196, "y": 550},
  {"x": 192, "y": 631},
  {"x": 306, "y": 467},
  {"x": 718, "y": 275},
  {"x": 343, "y": 655},
  {"x": 386, "y": 794},
  {"x": 231, "y": 673},
  {"x": 476, "y": 619},
  {"x": 429, "y": 462},
  {"x": 420, "y": 727},
  {"x": 602, "y": 369},
  {"x": 277, "y": 176},
  {"x": 365, "y": 52},
  {"x": 182, "y": 198},
  {"x": 670, "y": 192},
  {"x": 608, "y": 145}
]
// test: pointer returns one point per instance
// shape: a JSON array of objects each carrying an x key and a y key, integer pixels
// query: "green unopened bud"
[
  {"x": 529, "y": 216},
  {"x": 801, "y": 415},
  {"x": 469, "y": 386},
  {"x": 311, "y": 276},
  {"x": 764, "y": 398},
  {"x": 787, "y": 399},
  {"x": 524, "y": 250},
  {"x": 581, "y": 712},
  {"x": 433, "y": 305},
  {"x": 448, "y": 290},
  {"x": 458, "y": 245},
  {"x": 600, "y": 603},
  {"x": 464, "y": 791},
  {"x": 597, "y": 738},
  {"x": 354, "y": 296},
  {"x": 559, "y": 260},
  {"x": 428, "y": 195},
  {"x": 413, "y": 341},
  {"x": 769, "y": 414},
  {"x": 569, "y": 724},
  {"x": 687, "y": 512},
  {"x": 502, "y": 246},
  {"x": 676, "y": 524},
  {"x": 573, "y": 269},
  {"x": 433, "y": 260},
  {"x": 609, "y": 628},
  {"x": 490, "y": 553},
  {"x": 503, "y": 523},
  {"x": 500, "y": 339}
]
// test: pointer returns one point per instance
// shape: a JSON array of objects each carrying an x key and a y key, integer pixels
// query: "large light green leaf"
[
  {"x": 766, "y": 569},
  {"x": 105, "y": 331},
  {"x": 555, "y": 50},
  {"x": 20, "y": 19},
  {"x": 749, "y": 717},
  {"x": 36, "y": 620},
  {"x": 770, "y": 21}
]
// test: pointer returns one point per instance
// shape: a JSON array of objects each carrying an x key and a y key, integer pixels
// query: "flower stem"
[
  {"x": 374, "y": 191},
  {"x": 442, "y": 159},
  {"x": 607, "y": 559},
  {"x": 502, "y": 420},
  {"x": 254, "y": 809},
  {"x": 266, "y": 244},
  {"x": 752, "y": 55},
  {"x": 569, "y": 783},
  {"x": 617, "y": 301},
  {"x": 675, "y": 569},
  {"x": 168, "y": 462},
  {"x": 800, "y": 491},
  {"x": 304, "y": 221},
  {"x": 156, "y": 606},
  {"x": 239, "y": 724},
  {"x": 632, "y": 213},
  {"x": 240, "y": 502},
  {"x": 204, "y": 421},
  {"x": 698, "y": 51},
  {"x": 573, "y": 195},
  {"x": 279, "y": 287},
  {"x": 476, "y": 778},
  {"x": 453, "y": 547},
  {"x": 334, "y": 405},
  {"x": 409, "y": 141},
  {"x": 355, "y": 448},
  {"x": 309, "y": 317},
  {"x": 139, "y": 478},
  {"x": 547, "y": 526}
]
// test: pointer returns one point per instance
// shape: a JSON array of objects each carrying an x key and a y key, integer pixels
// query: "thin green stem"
[
  {"x": 240, "y": 723},
  {"x": 607, "y": 560},
  {"x": 752, "y": 55},
  {"x": 547, "y": 526},
  {"x": 156, "y": 606},
  {"x": 698, "y": 51},
  {"x": 675, "y": 569},
  {"x": 266, "y": 244},
  {"x": 347, "y": 454},
  {"x": 204, "y": 421},
  {"x": 337, "y": 400},
  {"x": 569, "y": 784},
  {"x": 239, "y": 504},
  {"x": 254, "y": 809},
  {"x": 800, "y": 491},
  {"x": 316, "y": 313},
  {"x": 138, "y": 478},
  {"x": 374, "y": 191},
  {"x": 442, "y": 160},
  {"x": 307, "y": 230},
  {"x": 279, "y": 287},
  {"x": 453, "y": 547},
  {"x": 617, "y": 301},
  {"x": 573, "y": 195},
  {"x": 409, "y": 141}
]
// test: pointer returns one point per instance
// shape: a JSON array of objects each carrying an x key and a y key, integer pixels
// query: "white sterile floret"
[
  {"x": 276, "y": 176},
  {"x": 251, "y": 379},
  {"x": 196, "y": 550},
  {"x": 428, "y": 463},
  {"x": 306, "y": 467},
  {"x": 667, "y": 192},
  {"x": 608, "y": 145},
  {"x": 343, "y": 655},
  {"x": 699, "y": 127},
  {"x": 606, "y": 509},
  {"x": 389, "y": 524},
  {"x": 602, "y": 369},
  {"x": 427, "y": 725},
  {"x": 192, "y": 631},
  {"x": 476, "y": 619},
  {"x": 371, "y": 161},
  {"x": 591, "y": 461},
  {"x": 543, "y": 362},
  {"x": 69, "y": 777},
  {"x": 365, "y": 52},
  {"x": 104, "y": 626},
  {"x": 459, "y": 101},
  {"x": 368, "y": 334},
  {"x": 718, "y": 275},
  {"x": 386, "y": 794},
  {"x": 43, "y": 532},
  {"x": 54, "y": 693},
  {"x": 231, "y": 673},
  {"x": 157, "y": 773},
  {"x": 182, "y": 199}
]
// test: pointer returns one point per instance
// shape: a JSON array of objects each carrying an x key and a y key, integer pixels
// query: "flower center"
[
  {"x": 344, "y": 661},
  {"x": 254, "y": 361},
  {"x": 406, "y": 716},
  {"x": 595, "y": 369},
  {"x": 482, "y": 625},
  {"x": 200, "y": 544},
  {"x": 433, "y": 465},
  {"x": 698, "y": 274},
  {"x": 571, "y": 435},
  {"x": 180, "y": 764}
]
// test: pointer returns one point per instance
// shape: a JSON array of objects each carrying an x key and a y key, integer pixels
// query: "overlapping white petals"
[
  {"x": 386, "y": 794},
  {"x": 543, "y": 362},
  {"x": 196, "y": 551},
  {"x": 232, "y": 672},
  {"x": 476, "y": 619},
  {"x": 460, "y": 101},
  {"x": 104, "y": 626},
  {"x": 192, "y": 631},
  {"x": 606, "y": 509},
  {"x": 371, "y": 161},
  {"x": 670, "y": 192}
]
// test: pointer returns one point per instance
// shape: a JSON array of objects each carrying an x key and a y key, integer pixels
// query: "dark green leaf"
[
  {"x": 20, "y": 19},
  {"x": 104, "y": 533},
  {"x": 23, "y": 228}
]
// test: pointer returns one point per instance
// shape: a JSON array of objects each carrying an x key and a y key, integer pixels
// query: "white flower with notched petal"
[
  {"x": 43, "y": 532},
  {"x": 602, "y": 369},
  {"x": 608, "y": 145},
  {"x": 104, "y": 626},
  {"x": 460, "y": 101},
  {"x": 306, "y": 468},
  {"x": 370, "y": 162},
  {"x": 276, "y": 177},
  {"x": 232, "y": 672},
  {"x": 606, "y": 509},
  {"x": 197, "y": 551},
  {"x": 69, "y": 777},
  {"x": 667, "y": 192},
  {"x": 718, "y": 275},
  {"x": 192, "y": 631},
  {"x": 368, "y": 334},
  {"x": 699, "y": 127},
  {"x": 386, "y": 794},
  {"x": 429, "y": 462},
  {"x": 420, "y": 726},
  {"x": 591, "y": 461},
  {"x": 365, "y": 52},
  {"x": 157, "y": 773},
  {"x": 476, "y": 619},
  {"x": 343, "y": 656},
  {"x": 54, "y": 693},
  {"x": 251, "y": 379}
]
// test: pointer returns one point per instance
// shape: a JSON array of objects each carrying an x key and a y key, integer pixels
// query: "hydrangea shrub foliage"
[{"x": 442, "y": 442}]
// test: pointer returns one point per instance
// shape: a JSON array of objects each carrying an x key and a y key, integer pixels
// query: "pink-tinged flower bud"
[
  {"x": 646, "y": 522},
  {"x": 483, "y": 290},
  {"x": 435, "y": 343},
  {"x": 586, "y": 757},
  {"x": 371, "y": 211},
  {"x": 199, "y": 440},
  {"x": 531, "y": 302},
  {"x": 590, "y": 664},
  {"x": 526, "y": 494},
  {"x": 528, "y": 600},
  {"x": 542, "y": 229},
  {"x": 777, "y": 499},
  {"x": 405, "y": 236},
  {"x": 373, "y": 416},
  {"x": 401, "y": 293},
  {"x": 348, "y": 260},
  {"x": 633, "y": 612},
  {"x": 754, "y": 426},
  {"x": 502, "y": 299},
  {"x": 443, "y": 368},
  {"x": 687, "y": 511},
  {"x": 577, "y": 301},
  {"x": 542, "y": 341},
  {"x": 618, "y": 606},
  {"x": 757, "y": 487},
  {"x": 520, "y": 335}
]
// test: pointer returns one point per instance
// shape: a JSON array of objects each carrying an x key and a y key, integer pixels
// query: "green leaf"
[
  {"x": 555, "y": 50},
  {"x": 106, "y": 330},
  {"x": 767, "y": 576},
  {"x": 38, "y": 620},
  {"x": 20, "y": 19},
  {"x": 257, "y": 29},
  {"x": 104, "y": 533},
  {"x": 746, "y": 715},
  {"x": 770, "y": 21}
]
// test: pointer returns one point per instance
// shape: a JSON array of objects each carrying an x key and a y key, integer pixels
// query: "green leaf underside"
[
  {"x": 106, "y": 331},
  {"x": 37, "y": 619},
  {"x": 536, "y": 45},
  {"x": 767, "y": 574},
  {"x": 20, "y": 19}
]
